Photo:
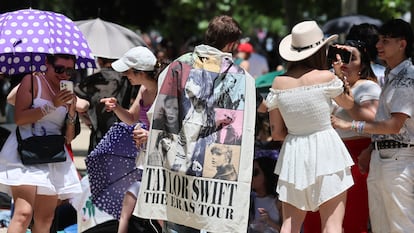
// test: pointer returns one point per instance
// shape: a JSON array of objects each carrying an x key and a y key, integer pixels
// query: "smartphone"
[
  {"x": 66, "y": 85},
  {"x": 333, "y": 50}
]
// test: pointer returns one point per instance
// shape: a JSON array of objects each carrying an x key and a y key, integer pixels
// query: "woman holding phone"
[
  {"x": 366, "y": 91},
  {"x": 37, "y": 189}
]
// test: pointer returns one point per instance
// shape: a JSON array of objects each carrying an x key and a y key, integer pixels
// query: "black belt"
[{"x": 390, "y": 144}]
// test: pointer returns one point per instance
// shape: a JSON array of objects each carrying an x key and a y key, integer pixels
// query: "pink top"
[{"x": 143, "y": 113}]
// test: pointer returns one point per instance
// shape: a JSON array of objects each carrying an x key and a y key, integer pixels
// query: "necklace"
[{"x": 48, "y": 85}]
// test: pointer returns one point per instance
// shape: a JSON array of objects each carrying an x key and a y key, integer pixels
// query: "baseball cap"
[
  {"x": 138, "y": 58},
  {"x": 245, "y": 47}
]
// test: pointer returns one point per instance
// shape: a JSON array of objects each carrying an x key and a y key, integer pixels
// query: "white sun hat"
[
  {"x": 138, "y": 58},
  {"x": 306, "y": 38}
]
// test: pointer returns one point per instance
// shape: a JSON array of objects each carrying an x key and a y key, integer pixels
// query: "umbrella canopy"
[
  {"x": 111, "y": 168},
  {"x": 108, "y": 40},
  {"x": 343, "y": 24},
  {"x": 27, "y": 36}
]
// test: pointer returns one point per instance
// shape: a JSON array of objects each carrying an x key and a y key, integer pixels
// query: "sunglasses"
[{"x": 61, "y": 69}]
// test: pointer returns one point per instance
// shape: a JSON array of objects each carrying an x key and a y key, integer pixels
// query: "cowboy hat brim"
[{"x": 288, "y": 53}]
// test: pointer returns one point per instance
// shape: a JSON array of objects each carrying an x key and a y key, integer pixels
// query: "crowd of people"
[{"x": 333, "y": 147}]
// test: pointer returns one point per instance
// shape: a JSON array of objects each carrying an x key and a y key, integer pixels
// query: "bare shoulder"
[
  {"x": 310, "y": 78},
  {"x": 283, "y": 82},
  {"x": 320, "y": 76},
  {"x": 26, "y": 83}
]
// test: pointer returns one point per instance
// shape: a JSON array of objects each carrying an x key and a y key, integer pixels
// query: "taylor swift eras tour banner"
[{"x": 200, "y": 150}]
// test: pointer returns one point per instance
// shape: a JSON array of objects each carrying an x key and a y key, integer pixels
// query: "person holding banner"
[
  {"x": 314, "y": 166},
  {"x": 183, "y": 191}
]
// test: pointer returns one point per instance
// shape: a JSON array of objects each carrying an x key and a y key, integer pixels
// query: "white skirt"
[
  {"x": 313, "y": 169},
  {"x": 60, "y": 179}
]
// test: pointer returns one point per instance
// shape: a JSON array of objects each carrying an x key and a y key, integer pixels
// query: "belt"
[{"x": 390, "y": 144}]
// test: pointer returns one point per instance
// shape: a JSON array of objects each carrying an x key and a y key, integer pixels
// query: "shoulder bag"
[{"x": 40, "y": 149}]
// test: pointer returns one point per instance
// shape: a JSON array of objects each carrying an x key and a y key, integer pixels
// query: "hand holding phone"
[
  {"x": 66, "y": 85},
  {"x": 343, "y": 53}
]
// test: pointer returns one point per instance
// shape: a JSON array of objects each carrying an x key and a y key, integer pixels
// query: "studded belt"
[{"x": 390, "y": 144}]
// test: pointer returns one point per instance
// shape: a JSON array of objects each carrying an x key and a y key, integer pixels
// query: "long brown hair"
[{"x": 316, "y": 61}]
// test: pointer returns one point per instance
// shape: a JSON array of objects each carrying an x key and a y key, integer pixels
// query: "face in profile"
[{"x": 218, "y": 157}]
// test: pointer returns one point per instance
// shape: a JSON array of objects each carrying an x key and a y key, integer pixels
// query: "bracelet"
[
  {"x": 358, "y": 126},
  {"x": 46, "y": 109},
  {"x": 72, "y": 120},
  {"x": 353, "y": 125}
]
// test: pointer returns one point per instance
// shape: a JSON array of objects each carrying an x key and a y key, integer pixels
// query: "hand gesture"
[
  {"x": 64, "y": 97},
  {"x": 140, "y": 136},
  {"x": 338, "y": 123},
  {"x": 264, "y": 215},
  {"x": 110, "y": 103}
]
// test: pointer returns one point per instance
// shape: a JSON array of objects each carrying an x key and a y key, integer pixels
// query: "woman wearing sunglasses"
[{"x": 41, "y": 108}]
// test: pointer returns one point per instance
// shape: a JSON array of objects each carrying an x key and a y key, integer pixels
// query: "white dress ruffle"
[{"x": 312, "y": 149}]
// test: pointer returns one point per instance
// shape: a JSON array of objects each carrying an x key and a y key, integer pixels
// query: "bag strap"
[{"x": 18, "y": 136}]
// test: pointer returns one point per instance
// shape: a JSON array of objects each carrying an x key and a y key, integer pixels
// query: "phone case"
[
  {"x": 345, "y": 54},
  {"x": 66, "y": 84}
]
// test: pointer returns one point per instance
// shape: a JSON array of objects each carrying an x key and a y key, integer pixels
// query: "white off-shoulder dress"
[
  {"x": 313, "y": 164},
  {"x": 51, "y": 179}
]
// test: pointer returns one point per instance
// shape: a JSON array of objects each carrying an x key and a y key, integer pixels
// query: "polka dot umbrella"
[
  {"x": 112, "y": 169},
  {"x": 27, "y": 36}
]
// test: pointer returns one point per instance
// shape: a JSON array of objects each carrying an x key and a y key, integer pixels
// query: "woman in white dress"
[
  {"x": 314, "y": 164},
  {"x": 36, "y": 189}
]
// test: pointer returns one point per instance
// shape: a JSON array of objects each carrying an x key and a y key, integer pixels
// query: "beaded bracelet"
[
  {"x": 72, "y": 120},
  {"x": 358, "y": 126},
  {"x": 353, "y": 125}
]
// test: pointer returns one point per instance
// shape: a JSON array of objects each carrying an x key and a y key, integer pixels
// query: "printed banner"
[{"x": 200, "y": 150}]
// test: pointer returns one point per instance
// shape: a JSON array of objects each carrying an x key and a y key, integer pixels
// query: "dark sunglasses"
[{"x": 61, "y": 69}]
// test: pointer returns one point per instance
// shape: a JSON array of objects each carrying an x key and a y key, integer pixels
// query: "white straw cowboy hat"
[{"x": 306, "y": 38}]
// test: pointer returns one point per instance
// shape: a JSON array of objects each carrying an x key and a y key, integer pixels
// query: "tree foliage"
[{"x": 180, "y": 20}]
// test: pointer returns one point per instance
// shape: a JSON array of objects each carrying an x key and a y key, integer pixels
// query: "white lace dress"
[
  {"x": 51, "y": 179},
  {"x": 314, "y": 164}
]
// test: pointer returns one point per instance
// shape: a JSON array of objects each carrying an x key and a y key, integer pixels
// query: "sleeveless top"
[
  {"x": 143, "y": 118},
  {"x": 51, "y": 123},
  {"x": 312, "y": 147}
]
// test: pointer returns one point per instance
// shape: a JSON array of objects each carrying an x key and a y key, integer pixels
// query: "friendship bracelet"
[
  {"x": 353, "y": 125},
  {"x": 360, "y": 127}
]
